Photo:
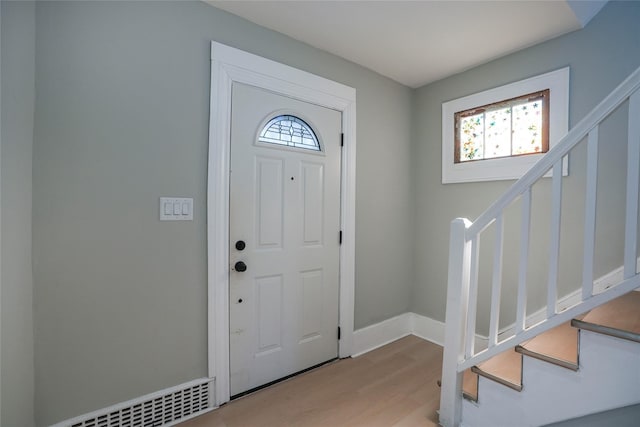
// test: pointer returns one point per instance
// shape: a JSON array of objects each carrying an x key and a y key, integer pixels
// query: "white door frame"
[{"x": 229, "y": 65}]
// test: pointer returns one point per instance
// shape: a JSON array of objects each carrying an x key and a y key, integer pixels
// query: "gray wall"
[
  {"x": 122, "y": 119},
  {"x": 600, "y": 57},
  {"x": 18, "y": 95}
]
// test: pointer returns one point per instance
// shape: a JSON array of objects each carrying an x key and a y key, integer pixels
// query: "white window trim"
[
  {"x": 229, "y": 65},
  {"x": 507, "y": 167}
]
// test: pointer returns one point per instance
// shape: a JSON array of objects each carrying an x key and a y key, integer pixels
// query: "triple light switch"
[{"x": 176, "y": 209}]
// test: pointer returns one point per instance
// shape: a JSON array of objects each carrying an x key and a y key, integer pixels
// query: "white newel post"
[{"x": 455, "y": 323}]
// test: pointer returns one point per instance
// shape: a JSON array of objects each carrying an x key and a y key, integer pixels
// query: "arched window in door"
[{"x": 291, "y": 131}]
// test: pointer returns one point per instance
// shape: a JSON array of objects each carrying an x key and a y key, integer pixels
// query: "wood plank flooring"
[{"x": 394, "y": 385}]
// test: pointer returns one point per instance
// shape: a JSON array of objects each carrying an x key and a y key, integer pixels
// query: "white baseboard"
[
  {"x": 427, "y": 328},
  {"x": 387, "y": 331},
  {"x": 611, "y": 279},
  {"x": 379, "y": 334},
  {"x": 600, "y": 284}
]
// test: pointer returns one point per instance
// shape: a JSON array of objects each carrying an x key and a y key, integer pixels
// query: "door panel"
[
  {"x": 313, "y": 190},
  {"x": 269, "y": 308},
  {"x": 285, "y": 204},
  {"x": 311, "y": 321},
  {"x": 269, "y": 202}
]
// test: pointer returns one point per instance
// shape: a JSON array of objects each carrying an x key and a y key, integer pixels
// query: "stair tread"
[
  {"x": 558, "y": 345},
  {"x": 470, "y": 385},
  {"x": 505, "y": 368},
  {"x": 621, "y": 314}
]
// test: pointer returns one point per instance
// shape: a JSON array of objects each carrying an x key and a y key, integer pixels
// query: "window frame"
[
  {"x": 511, "y": 167},
  {"x": 543, "y": 96}
]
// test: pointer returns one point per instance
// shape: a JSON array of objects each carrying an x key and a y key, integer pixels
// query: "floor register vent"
[{"x": 164, "y": 408}]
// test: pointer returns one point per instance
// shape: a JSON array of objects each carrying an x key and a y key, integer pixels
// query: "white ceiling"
[{"x": 417, "y": 42}]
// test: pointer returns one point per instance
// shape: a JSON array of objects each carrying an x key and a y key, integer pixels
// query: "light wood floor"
[{"x": 394, "y": 385}]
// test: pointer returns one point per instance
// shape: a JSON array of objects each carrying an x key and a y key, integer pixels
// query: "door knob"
[
  {"x": 240, "y": 245},
  {"x": 240, "y": 266}
]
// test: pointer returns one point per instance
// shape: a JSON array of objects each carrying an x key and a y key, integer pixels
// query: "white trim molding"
[
  {"x": 229, "y": 65},
  {"x": 379, "y": 334},
  {"x": 427, "y": 328},
  {"x": 507, "y": 167}
]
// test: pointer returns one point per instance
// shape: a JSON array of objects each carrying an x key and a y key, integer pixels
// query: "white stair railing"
[{"x": 462, "y": 291}]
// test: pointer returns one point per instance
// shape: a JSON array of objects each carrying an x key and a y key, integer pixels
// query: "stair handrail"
[{"x": 459, "y": 353}]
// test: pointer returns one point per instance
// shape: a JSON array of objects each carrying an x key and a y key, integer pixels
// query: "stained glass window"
[
  {"x": 291, "y": 131},
  {"x": 513, "y": 127}
]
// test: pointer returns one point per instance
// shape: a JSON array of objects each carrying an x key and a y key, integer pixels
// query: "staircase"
[
  {"x": 545, "y": 371},
  {"x": 576, "y": 356}
]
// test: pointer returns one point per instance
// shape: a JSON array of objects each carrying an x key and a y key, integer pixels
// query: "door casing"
[{"x": 229, "y": 65}]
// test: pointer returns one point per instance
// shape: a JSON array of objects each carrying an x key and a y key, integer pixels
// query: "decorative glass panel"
[
  {"x": 291, "y": 131},
  {"x": 527, "y": 128},
  {"x": 472, "y": 137},
  {"x": 507, "y": 128},
  {"x": 498, "y": 135}
]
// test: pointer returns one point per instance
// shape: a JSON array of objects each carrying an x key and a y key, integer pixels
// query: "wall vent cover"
[{"x": 166, "y": 407}]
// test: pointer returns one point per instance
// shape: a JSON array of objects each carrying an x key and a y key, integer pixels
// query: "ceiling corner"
[{"x": 586, "y": 10}]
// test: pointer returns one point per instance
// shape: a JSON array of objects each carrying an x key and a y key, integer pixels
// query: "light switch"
[{"x": 176, "y": 209}]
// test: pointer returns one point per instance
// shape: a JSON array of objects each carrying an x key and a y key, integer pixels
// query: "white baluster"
[
  {"x": 473, "y": 298},
  {"x": 496, "y": 285},
  {"x": 554, "y": 250},
  {"x": 633, "y": 166},
  {"x": 590, "y": 214},
  {"x": 525, "y": 228}
]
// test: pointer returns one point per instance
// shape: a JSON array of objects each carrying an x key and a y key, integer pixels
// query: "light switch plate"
[{"x": 176, "y": 209}]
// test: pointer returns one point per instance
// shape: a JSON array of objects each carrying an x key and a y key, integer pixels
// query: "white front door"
[{"x": 284, "y": 236}]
